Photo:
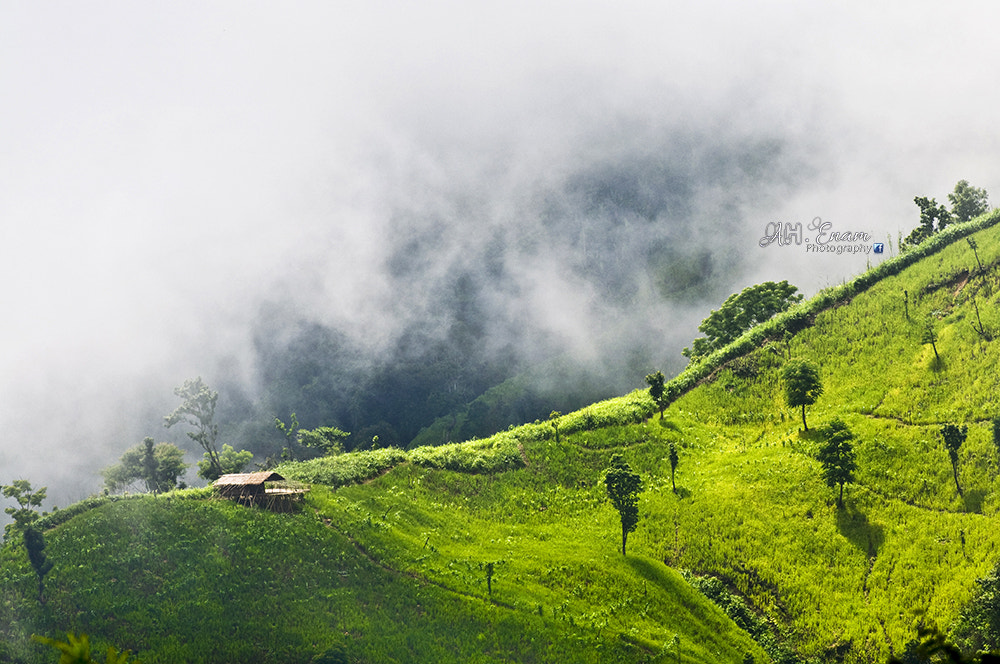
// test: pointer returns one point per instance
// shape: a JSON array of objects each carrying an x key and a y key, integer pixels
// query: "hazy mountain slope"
[{"x": 395, "y": 568}]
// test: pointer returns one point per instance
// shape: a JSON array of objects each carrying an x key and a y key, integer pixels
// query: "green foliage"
[
  {"x": 27, "y": 499},
  {"x": 656, "y": 390},
  {"x": 554, "y": 423},
  {"x": 837, "y": 457},
  {"x": 968, "y": 202},
  {"x": 802, "y": 386},
  {"x": 932, "y": 645},
  {"x": 34, "y": 543},
  {"x": 977, "y": 629},
  {"x": 76, "y": 650},
  {"x": 197, "y": 409},
  {"x": 495, "y": 454},
  {"x": 674, "y": 460},
  {"x": 289, "y": 431},
  {"x": 344, "y": 469},
  {"x": 933, "y": 218},
  {"x": 953, "y": 438},
  {"x": 329, "y": 440},
  {"x": 157, "y": 466},
  {"x": 741, "y": 312},
  {"x": 623, "y": 487},
  {"x": 229, "y": 460}
]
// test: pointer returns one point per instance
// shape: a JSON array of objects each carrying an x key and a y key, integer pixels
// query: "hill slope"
[{"x": 395, "y": 568}]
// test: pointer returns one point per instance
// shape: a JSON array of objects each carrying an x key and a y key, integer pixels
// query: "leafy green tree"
[
  {"x": 968, "y": 202},
  {"x": 329, "y": 440},
  {"x": 554, "y": 423},
  {"x": 229, "y": 461},
  {"x": 674, "y": 460},
  {"x": 802, "y": 386},
  {"x": 953, "y": 439},
  {"x": 836, "y": 455},
  {"x": 739, "y": 313},
  {"x": 933, "y": 218},
  {"x": 657, "y": 390},
  {"x": 289, "y": 430},
  {"x": 157, "y": 466},
  {"x": 25, "y": 513},
  {"x": 34, "y": 542},
  {"x": 623, "y": 489},
  {"x": 198, "y": 410}
]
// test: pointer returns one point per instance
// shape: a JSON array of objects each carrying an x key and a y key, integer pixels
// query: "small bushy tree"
[
  {"x": 836, "y": 456},
  {"x": 623, "y": 489},
  {"x": 157, "y": 466},
  {"x": 933, "y": 218},
  {"x": 657, "y": 391},
  {"x": 740, "y": 312},
  {"x": 802, "y": 386},
  {"x": 674, "y": 460},
  {"x": 34, "y": 542},
  {"x": 953, "y": 438},
  {"x": 27, "y": 499}
]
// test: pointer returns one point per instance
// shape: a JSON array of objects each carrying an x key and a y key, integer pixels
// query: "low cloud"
[{"x": 183, "y": 192}]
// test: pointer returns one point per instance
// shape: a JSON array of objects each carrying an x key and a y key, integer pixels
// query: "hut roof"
[{"x": 248, "y": 479}]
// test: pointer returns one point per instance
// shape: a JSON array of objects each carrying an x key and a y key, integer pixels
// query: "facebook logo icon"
[{"x": 877, "y": 248}]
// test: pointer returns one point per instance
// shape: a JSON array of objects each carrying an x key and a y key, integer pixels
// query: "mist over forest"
[{"x": 369, "y": 217}]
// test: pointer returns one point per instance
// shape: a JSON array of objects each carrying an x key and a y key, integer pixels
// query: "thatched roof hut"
[
  {"x": 245, "y": 486},
  {"x": 249, "y": 489}
]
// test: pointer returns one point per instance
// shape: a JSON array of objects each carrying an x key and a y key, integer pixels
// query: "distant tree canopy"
[
  {"x": 328, "y": 440},
  {"x": 802, "y": 386},
  {"x": 837, "y": 456},
  {"x": 967, "y": 202},
  {"x": 933, "y": 218},
  {"x": 739, "y": 313},
  {"x": 157, "y": 466},
  {"x": 230, "y": 460}
]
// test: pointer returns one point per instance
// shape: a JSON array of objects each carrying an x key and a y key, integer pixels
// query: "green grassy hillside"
[{"x": 390, "y": 558}]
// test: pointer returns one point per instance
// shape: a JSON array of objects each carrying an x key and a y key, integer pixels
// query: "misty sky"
[{"x": 603, "y": 170}]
